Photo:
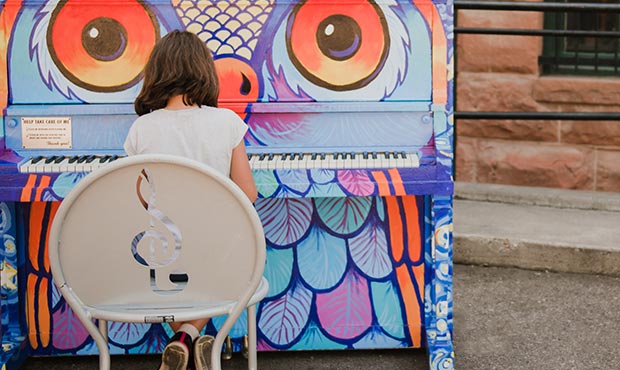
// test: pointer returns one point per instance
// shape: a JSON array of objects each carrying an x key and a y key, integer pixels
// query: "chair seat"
[{"x": 183, "y": 311}]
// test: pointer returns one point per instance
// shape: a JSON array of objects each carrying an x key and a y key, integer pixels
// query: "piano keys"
[
  {"x": 263, "y": 161},
  {"x": 337, "y": 160},
  {"x": 66, "y": 163}
]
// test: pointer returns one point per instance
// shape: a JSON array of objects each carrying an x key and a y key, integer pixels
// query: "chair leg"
[
  {"x": 104, "y": 356},
  {"x": 103, "y": 329},
  {"x": 252, "y": 357}
]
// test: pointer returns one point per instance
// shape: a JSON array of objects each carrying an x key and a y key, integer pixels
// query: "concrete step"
[{"x": 537, "y": 228}]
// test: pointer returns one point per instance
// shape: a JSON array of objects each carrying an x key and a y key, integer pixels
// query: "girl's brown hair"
[{"x": 180, "y": 64}]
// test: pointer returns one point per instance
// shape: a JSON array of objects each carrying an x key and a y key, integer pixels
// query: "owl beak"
[{"x": 238, "y": 84}]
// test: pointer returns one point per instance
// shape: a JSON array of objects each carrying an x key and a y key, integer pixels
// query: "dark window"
[{"x": 596, "y": 51}]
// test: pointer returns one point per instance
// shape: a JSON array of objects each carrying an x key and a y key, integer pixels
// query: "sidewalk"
[
  {"x": 557, "y": 311},
  {"x": 537, "y": 228}
]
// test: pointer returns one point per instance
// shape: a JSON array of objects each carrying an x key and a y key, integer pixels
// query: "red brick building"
[{"x": 503, "y": 73}]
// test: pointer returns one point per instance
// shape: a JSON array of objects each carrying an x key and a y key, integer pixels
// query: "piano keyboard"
[
  {"x": 338, "y": 160},
  {"x": 62, "y": 163},
  {"x": 263, "y": 161}
]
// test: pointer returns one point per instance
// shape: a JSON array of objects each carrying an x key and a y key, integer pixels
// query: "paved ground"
[
  {"x": 537, "y": 228},
  {"x": 539, "y": 315},
  {"x": 505, "y": 319}
]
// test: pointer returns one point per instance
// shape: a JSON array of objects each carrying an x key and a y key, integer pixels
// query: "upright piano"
[{"x": 349, "y": 113}]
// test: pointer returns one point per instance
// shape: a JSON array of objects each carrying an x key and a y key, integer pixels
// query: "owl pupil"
[
  {"x": 339, "y": 37},
  {"x": 104, "y": 39}
]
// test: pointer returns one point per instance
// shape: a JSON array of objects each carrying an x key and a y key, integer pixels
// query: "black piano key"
[
  {"x": 283, "y": 156},
  {"x": 82, "y": 158},
  {"x": 313, "y": 156},
  {"x": 114, "y": 157},
  {"x": 91, "y": 158},
  {"x": 403, "y": 155},
  {"x": 105, "y": 158},
  {"x": 261, "y": 157},
  {"x": 365, "y": 155},
  {"x": 270, "y": 156},
  {"x": 36, "y": 159},
  {"x": 51, "y": 159},
  {"x": 74, "y": 158},
  {"x": 59, "y": 159},
  {"x": 374, "y": 155},
  {"x": 323, "y": 156}
]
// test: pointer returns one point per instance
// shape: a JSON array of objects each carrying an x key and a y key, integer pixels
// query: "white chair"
[{"x": 157, "y": 238}]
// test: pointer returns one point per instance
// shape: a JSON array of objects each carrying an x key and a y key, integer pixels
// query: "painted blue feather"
[
  {"x": 369, "y": 251},
  {"x": 386, "y": 303},
  {"x": 343, "y": 215},
  {"x": 278, "y": 270},
  {"x": 322, "y": 259}
]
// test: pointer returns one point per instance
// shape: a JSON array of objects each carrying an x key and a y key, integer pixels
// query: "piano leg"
[
  {"x": 438, "y": 315},
  {"x": 12, "y": 331}
]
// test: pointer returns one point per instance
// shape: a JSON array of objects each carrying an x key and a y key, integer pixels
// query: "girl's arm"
[{"x": 240, "y": 172}]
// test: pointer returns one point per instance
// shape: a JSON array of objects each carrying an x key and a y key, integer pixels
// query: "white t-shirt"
[{"x": 205, "y": 134}]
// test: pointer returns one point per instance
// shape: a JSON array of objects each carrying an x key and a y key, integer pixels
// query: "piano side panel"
[{"x": 370, "y": 263}]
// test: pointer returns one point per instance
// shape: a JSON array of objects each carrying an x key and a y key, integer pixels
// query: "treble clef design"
[{"x": 156, "y": 238}]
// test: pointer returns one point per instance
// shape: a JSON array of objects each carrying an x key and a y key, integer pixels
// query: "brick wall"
[{"x": 501, "y": 73}]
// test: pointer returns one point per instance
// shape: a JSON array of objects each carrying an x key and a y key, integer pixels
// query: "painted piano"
[{"x": 349, "y": 109}]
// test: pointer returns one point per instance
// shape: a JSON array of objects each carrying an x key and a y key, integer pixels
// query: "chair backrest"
[{"x": 156, "y": 230}]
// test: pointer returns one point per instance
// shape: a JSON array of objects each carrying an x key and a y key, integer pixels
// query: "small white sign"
[{"x": 46, "y": 132}]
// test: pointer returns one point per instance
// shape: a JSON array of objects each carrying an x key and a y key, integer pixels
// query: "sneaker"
[
  {"x": 176, "y": 355},
  {"x": 202, "y": 352}
]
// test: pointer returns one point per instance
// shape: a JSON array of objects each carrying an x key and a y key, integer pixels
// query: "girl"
[{"x": 178, "y": 115}]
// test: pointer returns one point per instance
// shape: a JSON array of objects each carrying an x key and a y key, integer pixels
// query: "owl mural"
[{"x": 346, "y": 260}]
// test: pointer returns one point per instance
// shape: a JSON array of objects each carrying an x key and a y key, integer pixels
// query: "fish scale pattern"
[{"x": 228, "y": 27}]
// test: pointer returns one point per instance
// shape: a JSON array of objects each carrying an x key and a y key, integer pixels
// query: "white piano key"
[
  {"x": 348, "y": 161},
  {"x": 294, "y": 162},
  {"x": 274, "y": 163},
  {"x": 306, "y": 160}
]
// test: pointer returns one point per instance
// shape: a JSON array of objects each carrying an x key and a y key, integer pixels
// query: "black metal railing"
[{"x": 544, "y": 59}]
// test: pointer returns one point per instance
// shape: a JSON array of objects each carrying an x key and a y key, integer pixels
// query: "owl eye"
[
  {"x": 339, "y": 47},
  {"x": 98, "y": 47}
]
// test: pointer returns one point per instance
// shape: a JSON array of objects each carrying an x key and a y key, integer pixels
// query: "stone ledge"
[
  {"x": 538, "y": 196},
  {"x": 502, "y": 252}
]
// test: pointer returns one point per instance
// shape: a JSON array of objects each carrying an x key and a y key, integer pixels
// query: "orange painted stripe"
[
  {"x": 395, "y": 225},
  {"x": 439, "y": 50},
  {"x": 440, "y": 56},
  {"x": 30, "y": 311},
  {"x": 382, "y": 183},
  {"x": 43, "y": 184},
  {"x": 414, "y": 242},
  {"x": 37, "y": 212},
  {"x": 397, "y": 182},
  {"x": 45, "y": 322},
  {"x": 7, "y": 19},
  {"x": 418, "y": 272},
  {"x": 46, "y": 257},
  {"x": 27, "y": 190},
  {"x": 412, "y": 305}
]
